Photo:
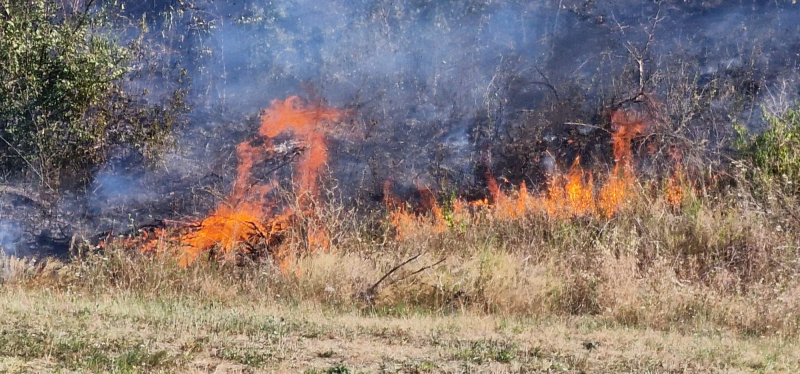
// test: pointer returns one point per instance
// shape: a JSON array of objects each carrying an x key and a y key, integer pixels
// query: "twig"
[
  {"x": 420, "y": 270},
  {"x": 586, "y": 125},
  {"x": 26, "y": 161},
  {"x": 639, "y": 55},
  {"x": 84, "y": 15},
  {"x": 546, "y": 82},
  {"x": 369, "y": 294},
  {"x": 396, "y": 268}
]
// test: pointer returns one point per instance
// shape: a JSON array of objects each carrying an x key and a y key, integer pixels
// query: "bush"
[
  {"x": 775, "y": 153},
  {"x": 62, "y": 101}
]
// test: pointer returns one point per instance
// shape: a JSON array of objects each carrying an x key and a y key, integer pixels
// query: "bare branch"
[
  {"x": 421, "y": 270},
  {"x": 369, "y": 294}
]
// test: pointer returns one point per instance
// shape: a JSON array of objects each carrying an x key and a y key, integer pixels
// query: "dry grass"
[
  {"x": 48, "y": 331},
  {"x": 711, "y": 286}
]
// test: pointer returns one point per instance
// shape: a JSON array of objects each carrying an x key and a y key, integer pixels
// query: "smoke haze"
[{"x": 430, "y": 87}]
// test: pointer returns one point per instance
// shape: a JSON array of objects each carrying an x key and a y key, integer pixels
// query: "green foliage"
[
  {"x": 449, "y": 210},
  {"x": 775, "y": 153},
  {"x": 338, "y": 369},
  {"x": 482, "y": 351},
  {"x": 62, "y": 102}
]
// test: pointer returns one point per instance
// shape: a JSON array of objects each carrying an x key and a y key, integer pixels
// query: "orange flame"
[
  {"x": 247, "y": 214},
  {"x": 403, "y": 221},
  {"x": 578, "y": 190},
  {"x": 569, "y": 195},
  {"x": 309, "y": 125},
  {"x": 407, "y": 223},
  {"x": 626, "y": 127},
  {"x": 674, "y": 193},
  {"x": 429, "y": 202}
]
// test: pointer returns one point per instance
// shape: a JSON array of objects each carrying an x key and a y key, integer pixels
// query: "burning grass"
[
  {"x": 250, "y": 214},
  {"x": 715, "y": 272},
  {"x": 644, "y": 253},
  {"x": 711, "y": 263},
  {"x": 612, "y": 247},
  {"x": 568, "y": 196}
]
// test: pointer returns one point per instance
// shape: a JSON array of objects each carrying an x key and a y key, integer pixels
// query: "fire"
[
  {"x": 403, "y": 222},
  {"x": 573, "y": 194},
  {"x": 676, "y": 182},
  {"x": 617, "y": 187},
  {"x": 249, "y": 214},
  {"x": 613, "y": 195},
  {"x": 406, "y": 223},
  {"x": 674, "y": 193},
  {"x": 626, "y": 127},
  {"x": 575, "y": 197},
  {"x": 311, "y": 126}
]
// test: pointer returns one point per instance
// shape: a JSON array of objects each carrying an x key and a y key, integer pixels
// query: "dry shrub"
[
  {"x": 485, "y": 281},
  {"x": 621, "y": 291},
  {"x": 14, "y": 269}
]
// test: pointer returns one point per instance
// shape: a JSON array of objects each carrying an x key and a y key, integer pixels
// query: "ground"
[{"x": 60, "y": 331}]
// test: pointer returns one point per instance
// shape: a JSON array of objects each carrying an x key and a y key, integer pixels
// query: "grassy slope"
[{"x": 47, "y": 331}]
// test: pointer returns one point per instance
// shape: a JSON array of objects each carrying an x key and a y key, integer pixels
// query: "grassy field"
[
  {"x": 711, "y": 286},
  {"x": 657, "y": 235},
  {"x": 58, "y": 331}
]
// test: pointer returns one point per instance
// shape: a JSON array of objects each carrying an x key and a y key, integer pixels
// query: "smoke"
[
  {"x": 436, "y": 75},
  {"x": 9, "y": 236},
  {"x": 433, "y": 87},
  {"x": 430, "y": 87}
]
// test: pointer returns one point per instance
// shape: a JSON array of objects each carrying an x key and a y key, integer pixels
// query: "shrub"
[
  {"x": 775, "y": 153},
  {"x": 63, "y": 105}
]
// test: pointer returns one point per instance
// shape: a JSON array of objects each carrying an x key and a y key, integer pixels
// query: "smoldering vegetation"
[
  {"x": 630, "y": 160},
  {"x": 445, "y": 109},
  {"x": 437, "y": 93}
]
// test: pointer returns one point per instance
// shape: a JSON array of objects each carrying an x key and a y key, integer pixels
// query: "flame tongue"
[
  {"x": 310, "y": 125},
  {"x": 621, "y": 179},
  {"x": 248, "y": 212},
  {"x": 227, "y": 227},
  {"x": 569, "y": 195}
]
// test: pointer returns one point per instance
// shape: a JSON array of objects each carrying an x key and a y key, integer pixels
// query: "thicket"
[
  {"x": 64, "y": 99},
  {"x": 774, "y": 154}
]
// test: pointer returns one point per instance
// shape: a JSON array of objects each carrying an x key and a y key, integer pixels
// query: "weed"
[
  {"x": 326, "y": 354},
  {"x": 337, "y": 369}
]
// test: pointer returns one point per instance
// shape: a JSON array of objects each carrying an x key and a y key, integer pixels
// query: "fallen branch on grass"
[{"x": 371, "y": 292}]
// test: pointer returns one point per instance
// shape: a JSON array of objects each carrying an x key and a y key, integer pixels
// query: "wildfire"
[
  {"x": 675, "y": 184},
  {"x": 249, "y": 214},
  {"x": 569, "y": 195},
  {"x": 406, "y": 222}
]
